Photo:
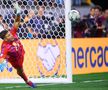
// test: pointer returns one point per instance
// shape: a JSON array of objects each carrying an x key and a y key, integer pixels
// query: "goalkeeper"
[{"x": 12, "y": 49}]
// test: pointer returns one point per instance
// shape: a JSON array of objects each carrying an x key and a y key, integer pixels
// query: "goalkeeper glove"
[{"x": 17, "y": 8}]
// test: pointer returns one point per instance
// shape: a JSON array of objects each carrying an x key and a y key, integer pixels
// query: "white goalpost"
[
  {"x": 48, "y": 57},
  {"x": 68, "y": 39}
]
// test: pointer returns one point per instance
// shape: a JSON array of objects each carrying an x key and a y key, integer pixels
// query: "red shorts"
[{"x": 18, "y": 62}]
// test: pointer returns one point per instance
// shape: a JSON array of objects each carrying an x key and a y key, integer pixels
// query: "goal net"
[{"x": 45, "y": 33}]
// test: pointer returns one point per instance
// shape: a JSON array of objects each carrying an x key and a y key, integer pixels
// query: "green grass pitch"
[{"x": 97, "y": 81}]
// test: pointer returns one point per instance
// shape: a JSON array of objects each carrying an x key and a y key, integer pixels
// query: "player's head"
[
  {"x": 98, "y": 11},
  {"x": 6, "y": 35},
  {"x": 92, "y": 11}
]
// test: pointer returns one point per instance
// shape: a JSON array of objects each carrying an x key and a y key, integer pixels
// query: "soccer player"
[{"x": 12, "y": 49}]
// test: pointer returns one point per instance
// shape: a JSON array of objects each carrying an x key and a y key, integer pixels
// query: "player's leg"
[
  {"x": 21, "y": 73},
  {"x": 18, "y": 65}
]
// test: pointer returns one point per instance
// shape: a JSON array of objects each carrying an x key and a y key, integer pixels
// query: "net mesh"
[{"x": 40, "y": 18}]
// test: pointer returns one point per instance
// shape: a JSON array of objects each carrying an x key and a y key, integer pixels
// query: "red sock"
[
  {"x": 23, "y": 76},
  {"x": 29, "y": 83}
]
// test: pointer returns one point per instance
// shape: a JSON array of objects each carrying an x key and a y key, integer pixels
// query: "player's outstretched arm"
[
  {"x": 17, "y": 21},
  {"x": 17, "y": 18}
]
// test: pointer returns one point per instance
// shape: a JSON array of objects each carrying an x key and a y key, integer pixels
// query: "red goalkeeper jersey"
[{"x": 13, "y": 51}]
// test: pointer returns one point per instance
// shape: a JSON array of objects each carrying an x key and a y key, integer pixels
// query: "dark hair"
[
  {"x": 92, "y": 8},
  {"x": 3, "y": 33},
  {"x": 0, "y": 15},
  {"x": 98, "y": 7}
]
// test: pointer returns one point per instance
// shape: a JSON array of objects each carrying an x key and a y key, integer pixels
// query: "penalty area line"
[
  {"x": 92, "y": 81},
  {"x": 13, "y": 87}
]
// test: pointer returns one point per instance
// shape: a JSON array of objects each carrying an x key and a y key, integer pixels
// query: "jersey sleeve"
[{"x": 13, "y": 30}]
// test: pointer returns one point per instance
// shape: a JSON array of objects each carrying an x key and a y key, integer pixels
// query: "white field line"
[
  {"x": 40, "y": 85},
  {"x": 12, "y": 87}
]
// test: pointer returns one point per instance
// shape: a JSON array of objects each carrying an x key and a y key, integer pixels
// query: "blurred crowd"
[
  {"x": 95, "y": 24},
  {"x": 42, "y": 25}
]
